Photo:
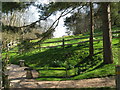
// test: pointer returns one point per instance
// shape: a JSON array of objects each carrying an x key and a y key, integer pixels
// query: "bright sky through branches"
[{"x": 60, "y": 30}]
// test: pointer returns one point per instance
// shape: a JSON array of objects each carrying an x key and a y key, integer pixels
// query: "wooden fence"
[{"x": 63, "y": 41}]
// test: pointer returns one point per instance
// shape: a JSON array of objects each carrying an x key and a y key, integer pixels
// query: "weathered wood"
[
  {"x": 22, "y": 63},
  {"x": 66, "y": 73},
  {"x": 78, "y": 72},
  {"x": 72, "y": 43},
  {"x": 79, "y": 38},
  {"x": 40, "y": 47},
  {"x": 114, "y": 32},
  {"x": 6, "y": 81},
  {"x": 29, "y": 73}
]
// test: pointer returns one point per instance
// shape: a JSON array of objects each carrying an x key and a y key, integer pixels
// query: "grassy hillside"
[{"x": 69, "y": 63}]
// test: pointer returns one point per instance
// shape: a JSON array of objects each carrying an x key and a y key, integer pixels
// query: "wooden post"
[
  {"x": 22, "y": 63},
  {"x": 40, "y": 49},
  {"x": 6, "y": 82},
  {"x": 75, "y": 71},
  {"x": 63, "y": 43},
  {"x": 29, "y": 73},
  {"x": 118, "y": 77},
  {"x": 78, "y": 70},
  {"x": 66, "y": 73}
]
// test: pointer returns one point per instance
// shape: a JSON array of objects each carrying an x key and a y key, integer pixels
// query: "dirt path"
[{"x": 18, "y": 80}]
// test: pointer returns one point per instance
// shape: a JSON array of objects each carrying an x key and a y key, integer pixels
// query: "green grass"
[{"x": 51, "y": 63}]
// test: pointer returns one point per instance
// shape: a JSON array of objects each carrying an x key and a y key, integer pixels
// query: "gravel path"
[{"x": 18, "y": 80}]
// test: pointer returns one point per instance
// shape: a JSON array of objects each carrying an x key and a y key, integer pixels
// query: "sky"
[
  {"x": 34, "y": 16},
  {"x": 60, "y": 29}
]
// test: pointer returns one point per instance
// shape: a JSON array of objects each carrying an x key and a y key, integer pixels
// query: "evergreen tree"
[{"x": 107, "y": 35}]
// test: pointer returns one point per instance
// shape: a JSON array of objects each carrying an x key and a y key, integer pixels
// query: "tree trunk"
[
  {"x": 107, "y": 35},
  {"x": 91, "y": 48}
]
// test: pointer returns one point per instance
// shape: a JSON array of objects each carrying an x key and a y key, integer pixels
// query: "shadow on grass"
[
  {"x": 53, "y": 57},
  {"x": 49, "y": 57}
]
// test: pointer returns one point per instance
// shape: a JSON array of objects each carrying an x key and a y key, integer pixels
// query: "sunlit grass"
[{"x": 52, "y": 61}]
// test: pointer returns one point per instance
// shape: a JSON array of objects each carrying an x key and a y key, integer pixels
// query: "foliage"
[
  {"x": 53, "y": 7},
  {"x": 52, "y": 63},
  {"x": 79, "y": 22},
  {"x": 115, "y": 13},
  {"x": 11, "y": 6},
  {"x": 24, "y": 46},
  {"x": 74, "y": 60},
  {"x": 75, "y": 23}
]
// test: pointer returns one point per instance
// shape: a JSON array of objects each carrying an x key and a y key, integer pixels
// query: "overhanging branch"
[{"x": 50, "y": 30}]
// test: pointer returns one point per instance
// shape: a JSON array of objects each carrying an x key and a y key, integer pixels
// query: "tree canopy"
[{"x": 11, "y": 6}]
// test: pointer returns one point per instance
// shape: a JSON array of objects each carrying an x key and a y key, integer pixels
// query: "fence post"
[
  {"x": 22, "y": 63},
  {"x": 6, "y": 82},
  {"x": 78, "y": 70},
  {"x": 29, "y": 73},
  {"x": 5, "y": 79},
  {"x": 63, "y": 43},
  {"x": 66, "y": 75},
  {"x": 118, "y": 77},
  {"x": 39, "y": 47}
]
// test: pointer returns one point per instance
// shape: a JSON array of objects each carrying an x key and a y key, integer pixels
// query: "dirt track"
[{"x": 18, "y": 80}]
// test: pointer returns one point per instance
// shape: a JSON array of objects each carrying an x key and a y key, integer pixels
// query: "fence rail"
[
  {"x": 69, "y": 39},
  {"x": 63, "y": 41},
  {"x": 115, "y": 32}
]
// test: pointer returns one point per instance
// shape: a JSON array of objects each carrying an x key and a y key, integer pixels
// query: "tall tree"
[
  {"x": 115, "y": 16},
  {"x": 107, "y": 35},
  {"x": 91, "y": 48}
]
